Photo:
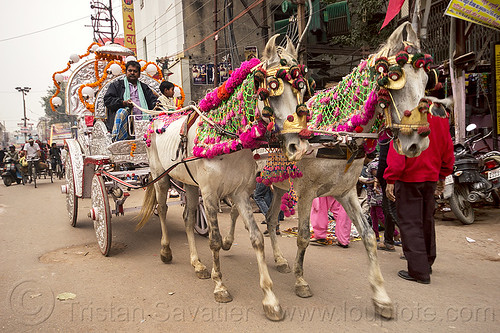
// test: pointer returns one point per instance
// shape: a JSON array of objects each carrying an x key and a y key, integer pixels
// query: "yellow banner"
[
  {"x": 482, "y": 12},
  {"x": 497, "y": 80},
  {"x": 129, "y": 25}
]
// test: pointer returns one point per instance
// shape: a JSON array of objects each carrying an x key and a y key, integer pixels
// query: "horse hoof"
[
  {"x": 274, "y": 313},
  {"x": 203, "y": 274},
  {"x": 226, "y": 245},
  {"x": 283, "y": 268},
  {"x": 223, "y": 296},
  {"x": 385, "y": 310},
  {"x": 303, "y": 291},
  {"x": 167, "y": 259}
]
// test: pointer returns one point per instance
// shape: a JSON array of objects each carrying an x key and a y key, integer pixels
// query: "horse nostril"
[
  {"x": 292, "y": 148},
  {"x": 413, "y": 148}
]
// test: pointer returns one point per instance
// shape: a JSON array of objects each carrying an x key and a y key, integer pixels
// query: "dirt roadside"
[{"x": 42, "y": 256}]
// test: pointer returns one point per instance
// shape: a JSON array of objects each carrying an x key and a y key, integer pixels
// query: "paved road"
[{"x": 42, "y": 256}]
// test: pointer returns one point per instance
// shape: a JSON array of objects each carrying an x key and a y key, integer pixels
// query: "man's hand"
[
  {"x": 439, "y": 188},
  {"x": 389, "y": 192},
  {"x": 128, "y": 103}
]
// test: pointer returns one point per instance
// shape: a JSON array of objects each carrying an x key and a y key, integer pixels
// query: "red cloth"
[
  {"x": 436, "y": 162},
  {"x": 392, "y": 10}
]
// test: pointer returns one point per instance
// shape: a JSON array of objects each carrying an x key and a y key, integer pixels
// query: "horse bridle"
[
  {"x": 271, "y": 84},
  {"x": 392, "y": 77}
]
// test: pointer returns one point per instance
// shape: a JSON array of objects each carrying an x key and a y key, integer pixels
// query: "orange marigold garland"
[
  {"x": 98, "y": 83},
  {"x": 133, "y": 146},
  {"x": 58, "y": 87},
  {"x": 179, "y": 102}
]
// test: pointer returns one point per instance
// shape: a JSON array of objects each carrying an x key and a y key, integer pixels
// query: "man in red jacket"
[{"x": 415, "y": 181}]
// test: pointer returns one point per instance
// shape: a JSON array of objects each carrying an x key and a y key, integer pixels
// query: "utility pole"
[
  {"x": 265, "y": 28},
  {"x": 24, "y": 91},
  {"x": 301, "y": 22},
  {"x": 216, "y": 37}
]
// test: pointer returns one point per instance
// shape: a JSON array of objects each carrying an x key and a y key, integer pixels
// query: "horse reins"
[{"x": 163, "y": 174}]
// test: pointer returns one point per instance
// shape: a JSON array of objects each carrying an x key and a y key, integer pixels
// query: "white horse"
[
  {"x": 227, "y": 175},
  {"x": 327, "y": 175}
]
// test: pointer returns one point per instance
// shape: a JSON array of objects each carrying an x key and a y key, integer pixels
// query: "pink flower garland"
[{"x": 211, "y": 101}]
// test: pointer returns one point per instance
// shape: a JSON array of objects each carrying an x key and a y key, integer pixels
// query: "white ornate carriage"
[{"x": 96, "y": 167}]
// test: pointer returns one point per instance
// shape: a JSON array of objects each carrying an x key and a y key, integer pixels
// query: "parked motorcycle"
[
  {"x": 10, "y": 173},
  {"x": 474, "y": 178}
]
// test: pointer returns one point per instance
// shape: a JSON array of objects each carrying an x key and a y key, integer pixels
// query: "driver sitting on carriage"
[{"x": 121, "y": 97}]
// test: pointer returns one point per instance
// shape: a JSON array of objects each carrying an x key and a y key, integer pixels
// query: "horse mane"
[{"x": 351, "y": 103}]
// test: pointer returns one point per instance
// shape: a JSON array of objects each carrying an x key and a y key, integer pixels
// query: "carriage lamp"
[
  {"x": 94, "y": 47},
  {"x": 59, "y": 78},
  {"x": 74, "y": 58},
  {"x": 151, "y": 69},
  {"x": 142, "y": 63},
  {"x": 115, "y": 69},
  {"x": 57, "y": 101},
  {"x": 130, "y": 58},
  {"x": 87, "y": 92},
  {"x": 177, "y": 92}
]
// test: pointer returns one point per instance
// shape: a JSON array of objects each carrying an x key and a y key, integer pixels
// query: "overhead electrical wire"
[{"x": 38, "y": 31}]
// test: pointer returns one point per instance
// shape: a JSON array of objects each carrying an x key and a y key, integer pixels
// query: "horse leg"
[
  {"x": 382, "y": 302},
  {"x": 192, "y": 198},
  {"x": 229, "y": 238},
  {"x": 210, "y": 201},
  {"x": 272, "y": 220},
  {"x": 161, "y": 188},
  {"x": 302, "y": 288},
  {"x": 271, "y": 305}
]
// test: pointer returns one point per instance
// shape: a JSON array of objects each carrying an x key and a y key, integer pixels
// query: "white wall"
[{"x": 160, "y": 22}]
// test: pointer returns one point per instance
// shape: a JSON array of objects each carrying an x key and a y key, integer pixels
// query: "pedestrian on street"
[
  {"x": 388, "y": 206},
  {"x": 414, "y": 182},
  {"x": 319, "y": 221}
]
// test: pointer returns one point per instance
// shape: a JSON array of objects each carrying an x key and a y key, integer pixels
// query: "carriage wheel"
[
  {"x": 101, "y": 214},
  {"x": 201, "y": 226},
  {"x": 71, "y": 198}
]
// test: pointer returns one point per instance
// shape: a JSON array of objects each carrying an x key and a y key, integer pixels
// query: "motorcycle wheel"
[
  {"x": 460, "y": 206},
  {"x": 7, "y": 181},
  {"x": 496, "y": 198}
]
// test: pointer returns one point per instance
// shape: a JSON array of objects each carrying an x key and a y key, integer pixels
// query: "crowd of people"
[{"x": 37, "y": 152}]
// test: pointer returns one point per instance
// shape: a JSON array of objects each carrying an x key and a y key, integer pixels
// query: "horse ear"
[
  {"x": 412, "y": 36},
  {"x": 395, "y": 41},
  {"x": 270, "y": 52},
  {"x": 290, "y": 48}
]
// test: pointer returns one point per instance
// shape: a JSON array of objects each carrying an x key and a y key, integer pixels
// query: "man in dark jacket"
[
  {"x": 122, "y": 95},
  {"x": 413, "y": 182}
]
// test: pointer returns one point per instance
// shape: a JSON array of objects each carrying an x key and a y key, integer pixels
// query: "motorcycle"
[
  {"x": 475, "y": 178},
  {"x": 11, "y": 174}
]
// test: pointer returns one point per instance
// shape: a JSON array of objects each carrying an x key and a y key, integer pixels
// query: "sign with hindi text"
[
  {"x": 482, "y": 12},
  {"x": 129, "y": 25}
]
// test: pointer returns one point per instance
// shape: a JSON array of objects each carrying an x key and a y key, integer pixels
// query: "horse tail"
[{"x": 148, "y": 206}]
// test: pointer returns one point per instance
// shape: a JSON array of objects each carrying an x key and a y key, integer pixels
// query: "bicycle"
[{"x": 33, "y": 169}]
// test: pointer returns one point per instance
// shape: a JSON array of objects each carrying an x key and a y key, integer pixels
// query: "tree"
[
  {"x": 59, "y": 116},
  {"x": 367, "y": 17}
]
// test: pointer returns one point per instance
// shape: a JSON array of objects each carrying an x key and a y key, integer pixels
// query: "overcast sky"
[{"x": 31, "y": 60}]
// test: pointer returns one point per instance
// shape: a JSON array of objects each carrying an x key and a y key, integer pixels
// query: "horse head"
[
  {"x": 403, "y": 74},
  {"x": 283, "y": 81}
]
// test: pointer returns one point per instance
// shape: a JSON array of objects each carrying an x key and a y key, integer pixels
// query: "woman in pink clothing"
[{"x": 319, "y": 221}]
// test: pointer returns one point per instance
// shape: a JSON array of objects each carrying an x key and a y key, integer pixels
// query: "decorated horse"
[
  {"x": 385, "y": 93},
  {"x": 214, "y": 154}
]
